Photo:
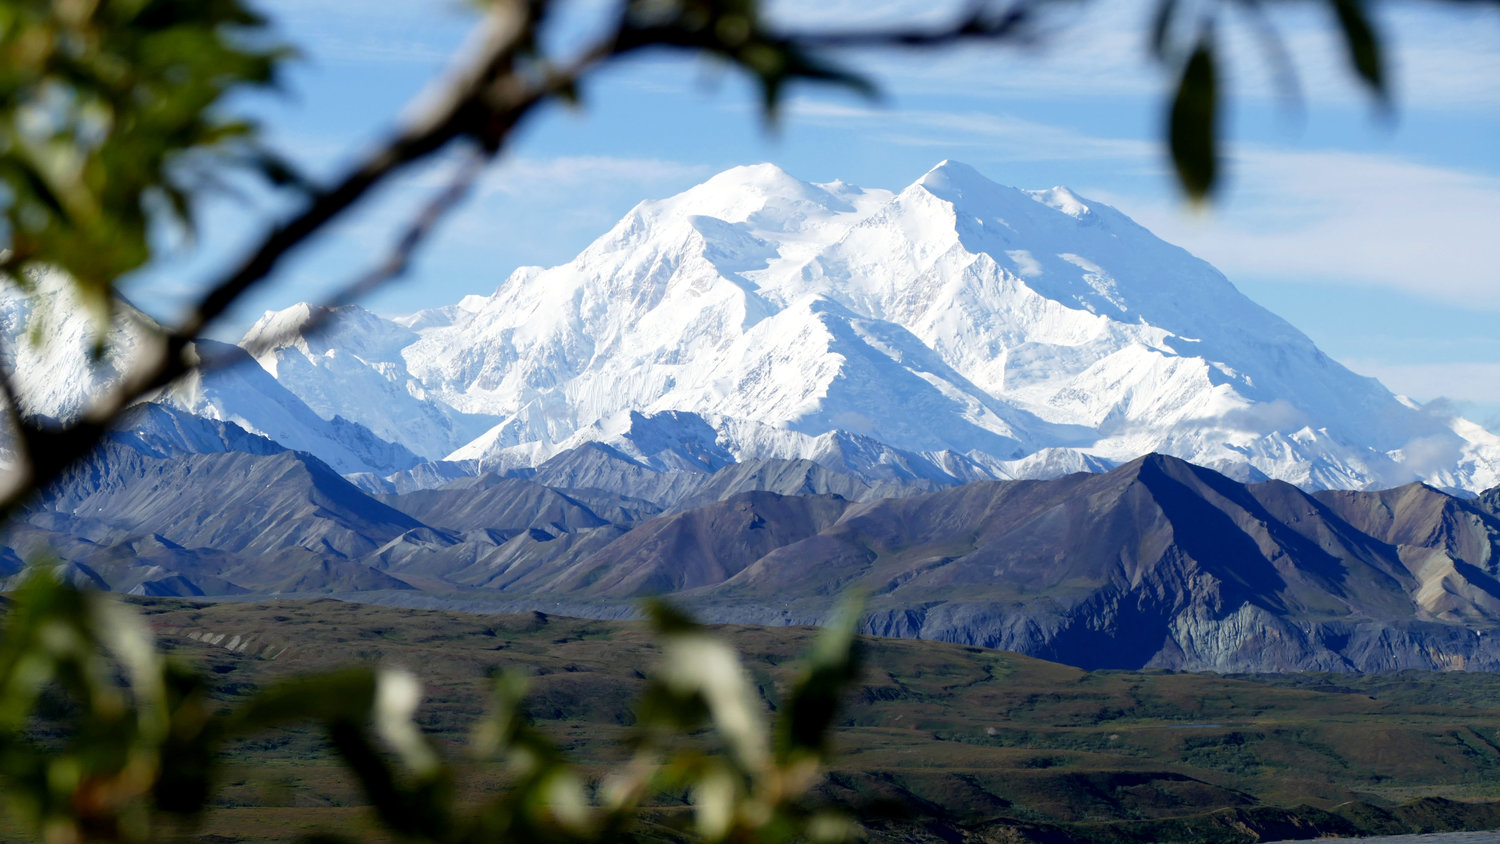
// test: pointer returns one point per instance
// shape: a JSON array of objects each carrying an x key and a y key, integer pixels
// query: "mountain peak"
[
  {"x": 992, "y": 331},
  {"x": 764, "y": 176},
  {"x": 972, "y": 192},
  {"x": 954, "y": 173},
  {"x": 736, "y": 193}
]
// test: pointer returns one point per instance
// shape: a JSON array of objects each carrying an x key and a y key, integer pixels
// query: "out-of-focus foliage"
[
  {"x": 734, "y": 30},
  {"x": 102, "y": 739},
  {"x": 113, "y": 120},
  {"x": 107, "y": 109},
  {"x": 1184, "y": 37}
]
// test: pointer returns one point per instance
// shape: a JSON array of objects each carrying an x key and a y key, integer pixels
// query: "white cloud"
[
  {"x": 341, "y": 32},
  {"x": 1346, "y": 217},
  {"x": 1475, "y": 382},
  {"x": 1289, "y": 215},
  {"x": 531, "y": 177},
  {"x": 999, "y": 135},
  {"x": 1276, "y": 415},
  {"x": 1438, "y": 56},
  {"x": 528, "y": 209}
]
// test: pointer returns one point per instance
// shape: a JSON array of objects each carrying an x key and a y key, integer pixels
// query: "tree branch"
[
  {"x": 484, "y": 101},
  {"x": 461, "y": 110},
  {"x": 977, "y": 25},
  {"x": 396, "y": 262}
]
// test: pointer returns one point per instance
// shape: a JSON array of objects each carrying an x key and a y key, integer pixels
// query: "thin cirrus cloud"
[
  {"x": 1470, "y": 389},
  {"x": 1353, "y": 218},
  {"x": 338, "y": 32},
  {"x": 1472, "y": 381},
  {"x": 523, "y": 211},
  {"x": 586, "y": 173},
  {"x": 999, "y": 135},
  {"x": 1335, "y": 216},
  {"x": 580, "y": 186},
  {"x": 1438, "y": 57}
]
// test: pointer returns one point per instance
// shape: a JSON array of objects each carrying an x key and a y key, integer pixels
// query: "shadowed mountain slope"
[
  {"x": 260, "y": 522},
  {"x": 1157, "y": 563}
]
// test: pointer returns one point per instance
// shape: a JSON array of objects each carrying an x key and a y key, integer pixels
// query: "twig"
[
  {"x": 978, "y": 25},
  {"x": 395, "y": 263},
  {"x": 485, "y": 101},
  {"x": 462, "y": 110}
]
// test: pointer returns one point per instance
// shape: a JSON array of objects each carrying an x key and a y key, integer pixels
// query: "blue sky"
[{"x": 1376, "y": 236}]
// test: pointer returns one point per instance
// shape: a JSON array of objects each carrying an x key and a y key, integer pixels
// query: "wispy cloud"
[
  {"x": 523, "y": 210},
  {"x": 1467, "y": 381},
  {"x": 1344, "y": 217},
  {"x": 998, "y": 134},
  {"x": 530, "y": 177},
  {"x": 1287, "y": 214},
  {"x": 1438, "y": 57}
]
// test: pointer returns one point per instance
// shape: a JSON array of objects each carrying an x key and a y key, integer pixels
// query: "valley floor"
[{"x": 937, "y": 742}]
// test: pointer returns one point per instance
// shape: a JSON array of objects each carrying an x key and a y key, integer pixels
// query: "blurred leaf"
[
  {"x": 700, "y": 675},
  {"x": 345, "y": 695},
  {"x": 189, "y": 755},
  {"x": 1363, "y": 45},
  {"x": 833, "y": 665},
  {"x": 733, "y": 30},
  {"x": 100, "y": 102},
  {"x": 375, "y": 776},
  {"x": 669, "y": 620},
  {"x": 1193, "y": 126},
  {"x": 716, "y": 792},
  {"x": 277, "y": 170},
  {"x": 397, "y": 696},
  {"x": 115, "y": 717}
]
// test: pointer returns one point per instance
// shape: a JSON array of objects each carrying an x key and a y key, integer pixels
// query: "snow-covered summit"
[
  {"x": 51, "y": 333},
  {"x": 957, "y": 321}
]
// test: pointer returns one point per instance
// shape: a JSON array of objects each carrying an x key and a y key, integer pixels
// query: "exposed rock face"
[
  {"x": 212, "y": 524},
  {"x": 1157, "y": 563}
]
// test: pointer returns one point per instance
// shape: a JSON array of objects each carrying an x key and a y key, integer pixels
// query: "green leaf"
[
  {"x": 101, "y": 105},
  {"x": 1363, "y": 44},
  {"x": 346, "y": 695},
  {"x": 1192, "y": 130},
  {"x": 397, "y": 696},
  {"x": 833, "y": 664},
  {"x": 668, "y": 620}
]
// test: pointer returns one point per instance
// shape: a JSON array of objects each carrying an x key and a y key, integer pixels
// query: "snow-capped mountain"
[
  {"x": 974, "y": 329},
  {"x": 360, "y": 354},
  {"x": 234, "y": 389},
  {"x": 49, "y": 335},
  {"x": 954, "y": 331}
]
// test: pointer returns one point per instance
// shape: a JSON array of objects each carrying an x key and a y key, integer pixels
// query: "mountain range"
[
  {"x": 1156, "y": 563},
  {"x": 954, "y": 331},
  {"x": 763, "y": 391}
]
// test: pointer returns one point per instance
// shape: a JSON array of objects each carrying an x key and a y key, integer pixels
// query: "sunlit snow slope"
[{"x": 976, "y": 329}]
